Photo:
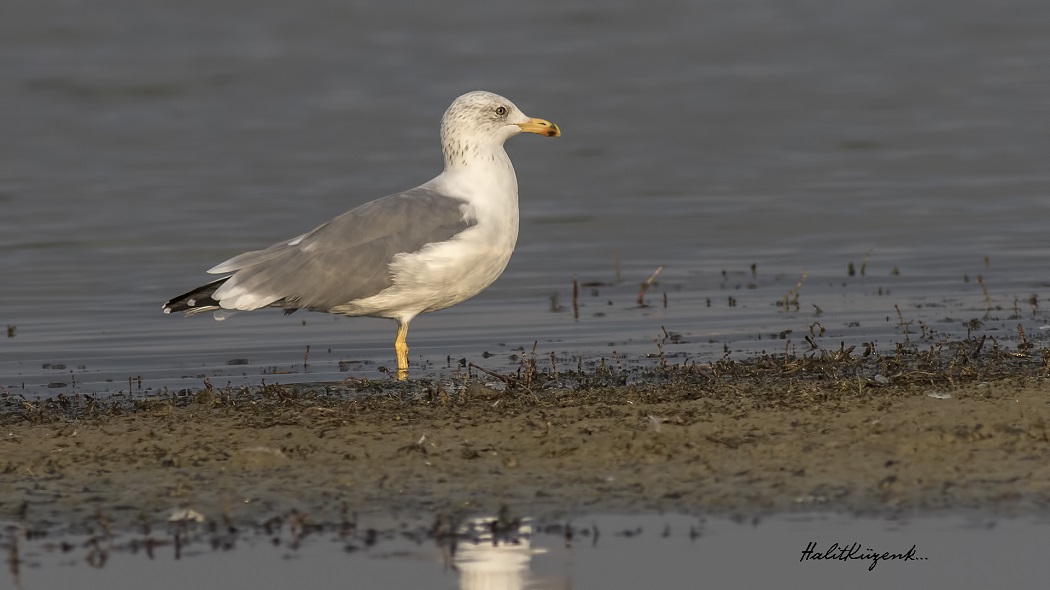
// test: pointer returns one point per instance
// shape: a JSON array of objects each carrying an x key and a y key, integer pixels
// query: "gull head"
[{"x": 482, "y": 121}]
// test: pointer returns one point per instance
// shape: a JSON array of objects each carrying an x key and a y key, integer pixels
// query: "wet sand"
[{"x": 831, "y": 431}]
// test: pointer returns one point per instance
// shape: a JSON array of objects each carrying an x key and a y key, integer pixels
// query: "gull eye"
[{"x": 501, "y": 111}]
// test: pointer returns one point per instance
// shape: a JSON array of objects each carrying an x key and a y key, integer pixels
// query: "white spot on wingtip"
[{"x": 191, "y": 302}]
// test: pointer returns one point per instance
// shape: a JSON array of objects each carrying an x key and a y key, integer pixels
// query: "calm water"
[
  {"x": 666, "y": 551},
  {"x": 143, "y": 142}
]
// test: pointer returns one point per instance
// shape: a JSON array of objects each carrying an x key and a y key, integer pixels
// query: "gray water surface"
[
  {"x": 604, "y": 551},
  {"x": 143, "y": 142}
]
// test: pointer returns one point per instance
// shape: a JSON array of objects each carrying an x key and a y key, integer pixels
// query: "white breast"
[{"x": 446, "y": 273}]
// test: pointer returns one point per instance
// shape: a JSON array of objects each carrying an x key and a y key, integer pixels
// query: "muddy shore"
[{"x": 950, "y": 427}]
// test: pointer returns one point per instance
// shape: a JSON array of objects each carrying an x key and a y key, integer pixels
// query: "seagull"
[{"x": 416, "y": 251}]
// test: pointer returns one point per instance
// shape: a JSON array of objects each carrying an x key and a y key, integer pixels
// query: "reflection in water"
[
  {"x": 497, "y": 553},
  {"x": 635, "y": 551},
  {"x": 494, "y": 559}
]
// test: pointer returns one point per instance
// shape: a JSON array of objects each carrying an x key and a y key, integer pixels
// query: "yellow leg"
[{"x": 401, "y": 348}]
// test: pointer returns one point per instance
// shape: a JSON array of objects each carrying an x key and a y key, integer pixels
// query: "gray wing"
[{"x": 344, "y": 259}]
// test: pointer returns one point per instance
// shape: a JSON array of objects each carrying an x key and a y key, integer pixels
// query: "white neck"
[{"x": 480, "y": 176}]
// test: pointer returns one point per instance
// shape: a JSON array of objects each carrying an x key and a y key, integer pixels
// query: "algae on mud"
[{"x": 957, "y": 426}]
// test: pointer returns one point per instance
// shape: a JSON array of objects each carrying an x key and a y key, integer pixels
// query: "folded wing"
[{"x": 343, "y": 260}]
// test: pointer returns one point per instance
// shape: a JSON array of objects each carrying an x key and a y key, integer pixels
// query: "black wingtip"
[{"x": 195, "y": 300}]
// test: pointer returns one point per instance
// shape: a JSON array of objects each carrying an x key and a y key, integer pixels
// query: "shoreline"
[{"x": 949, "y": 429}]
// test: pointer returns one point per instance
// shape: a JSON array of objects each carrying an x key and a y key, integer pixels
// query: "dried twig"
[
  {"x": 648, "y": 283},
  {"x": 901, "y": 322},
  {"x": 1024, "y": 346},
  {"x": 791, "y": 297},
  {"x": 987, "y": 299},
  {"x": 504, "y": 378}
]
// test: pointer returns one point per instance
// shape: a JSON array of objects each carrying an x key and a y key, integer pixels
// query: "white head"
[{"x": 479, "y": 122}]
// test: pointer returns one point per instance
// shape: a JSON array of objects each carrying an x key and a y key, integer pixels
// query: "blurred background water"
[{"x": 142, "y": 142}]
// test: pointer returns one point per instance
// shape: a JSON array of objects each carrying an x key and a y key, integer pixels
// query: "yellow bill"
[{"x": 540, "y": 126}]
